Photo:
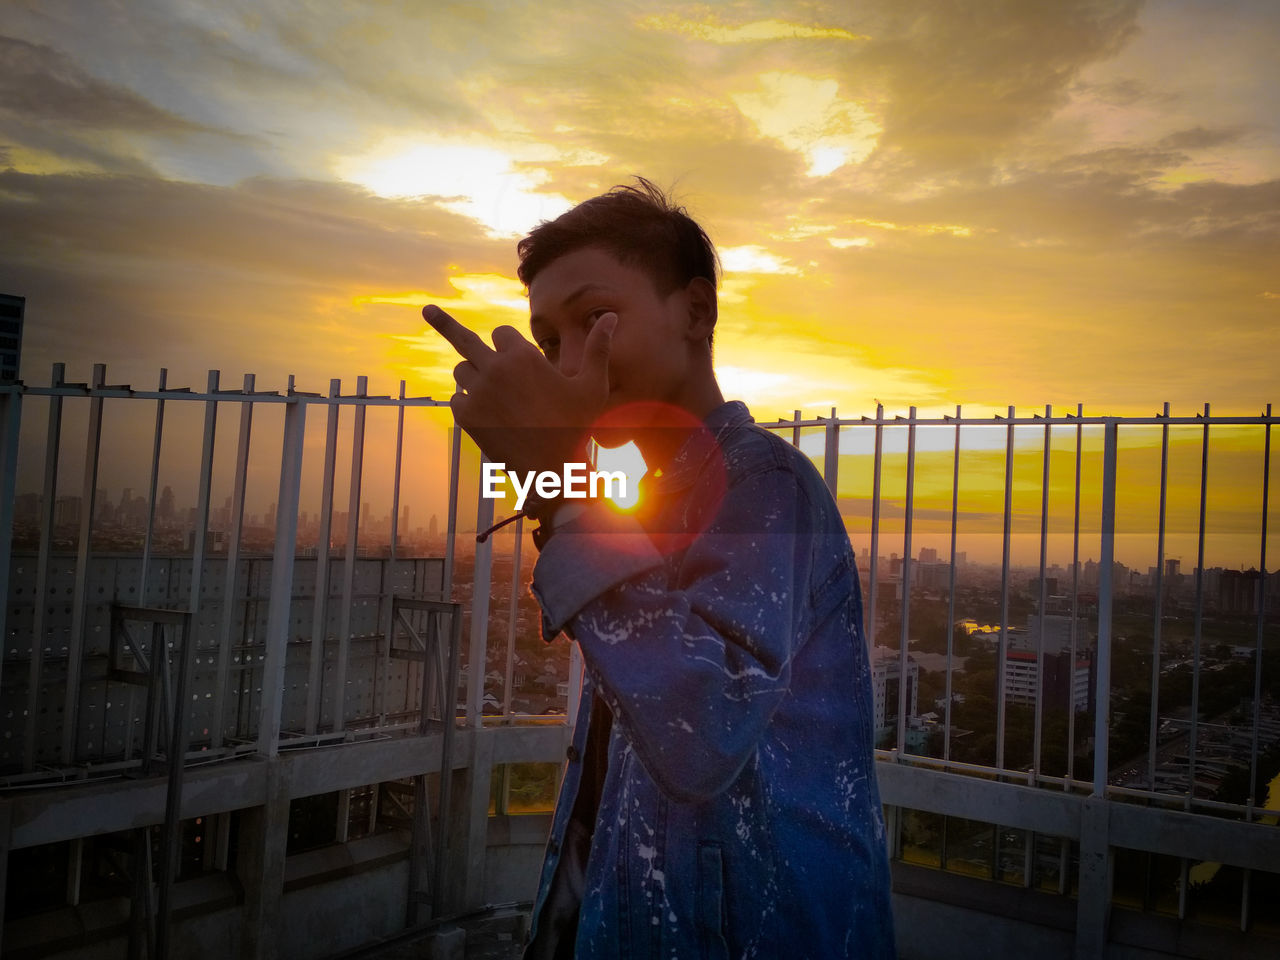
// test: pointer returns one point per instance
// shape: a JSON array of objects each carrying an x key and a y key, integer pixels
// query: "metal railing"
[
  {"x": 835, "y": 441},
  {"x": 237, "y": 646},
  {"x": 937, "y": 483}
]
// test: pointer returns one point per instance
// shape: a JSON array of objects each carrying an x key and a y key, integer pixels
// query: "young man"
[{"x": 720, "y": 798}]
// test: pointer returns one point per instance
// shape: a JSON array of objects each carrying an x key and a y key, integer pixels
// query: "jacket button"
[{"x": 572, "y": 753}]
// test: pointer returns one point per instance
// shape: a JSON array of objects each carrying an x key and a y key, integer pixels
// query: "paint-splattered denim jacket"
[{"x": 739, "y": 814}]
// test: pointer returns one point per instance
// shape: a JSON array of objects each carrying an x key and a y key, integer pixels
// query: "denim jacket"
[{"x": 738, "y": 813}]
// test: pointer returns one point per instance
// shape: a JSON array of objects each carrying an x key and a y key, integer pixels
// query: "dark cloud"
[
  {"x": 1201, "y": 138},
  {"x": 141, "y": 272},
  {"x": 1122, "y": 92},
  {"x": 965, "y": 78},
  {"x": 39, "y": 82}
]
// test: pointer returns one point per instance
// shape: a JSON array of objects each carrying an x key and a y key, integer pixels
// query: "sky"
[
  {"x": 916, "y": 202},
  {"x": 919, "y": 203}
]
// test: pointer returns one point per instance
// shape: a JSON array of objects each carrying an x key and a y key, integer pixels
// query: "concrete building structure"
[
  {"x": 1061, "y": 685},
  {"x": 12, "y": 317},
  {"x": 886, "y": 677}
]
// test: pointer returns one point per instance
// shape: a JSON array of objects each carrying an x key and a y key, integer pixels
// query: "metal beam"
[
  {"x": 1102, "y": 698},
  {"x": 279, "y": 619},
  {"x": 75, "y": 646}
]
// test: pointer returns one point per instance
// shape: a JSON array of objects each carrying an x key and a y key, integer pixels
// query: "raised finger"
[
  {"x": 466, "y": 375},
  {"x": 508, "y": 338},
  {"x": 465, "y": 341}
]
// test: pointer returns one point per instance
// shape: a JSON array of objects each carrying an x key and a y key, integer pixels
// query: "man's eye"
[
  {"x": 595, "y": 315},
  {"x": 549, "y": 345}
]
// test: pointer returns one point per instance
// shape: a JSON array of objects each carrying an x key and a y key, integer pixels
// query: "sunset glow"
[
  {"x": 923, "y": 205},
  {"x": 630, "y": 461}
]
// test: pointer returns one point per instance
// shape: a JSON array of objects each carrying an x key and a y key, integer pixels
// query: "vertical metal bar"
[
  {"x": 349, "y": 563},
  {"x": 449, "y": 714},
  {"x": 479, "y": 640},
  {"x": 75, "y": 870},
  {"x": 153, "y": 486},
  {"x": 198, "y": 545},
  {"x": 388, "y": 595},
  {"x": 395, "y": 483},
  {"x": 1044, "y": 600},
  {"x": 145, "y": 567},
  {"x": 320, "y": 604},
  {"x": 421, "y": 836},
  {"x": 48, "y": 504},
  {"x": 831, "y": 454},
  {"x": 1199, "y": 619},
  {"x": 382, "y": 651},
  {"x": 1075, "y": 606},
  {"x": 1102, "y": 715},
  {"x": 1262, "y": 617},
  {"x": 1153, "y": 733},
  {"x": 279, "y": 618},
  {"x": 904, "y": 608},
  {"x": 795, "y": 431},
  {"x": 512, "y": 612},
  {"x": 1002, "y": 656},
  {"x": 141, "y": 936},
  {"x": 343, "y": 826},
  {"x": 229, "y": 598},
  {"x": 156, "y": 666},
  {"x": 171, "y": 839},
  {"x": 875, "y": 528},
  {"x": 10, "y": 428},
  {"x": 451, "y": 524},
  {"x": 75, "y": 648},
  {"x": 951, "y": 586}
]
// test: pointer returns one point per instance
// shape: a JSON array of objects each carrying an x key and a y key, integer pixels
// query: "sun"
[{"x": 627, "y": 459}]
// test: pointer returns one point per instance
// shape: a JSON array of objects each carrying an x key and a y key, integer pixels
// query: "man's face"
[{"x": 651, "y": 355}]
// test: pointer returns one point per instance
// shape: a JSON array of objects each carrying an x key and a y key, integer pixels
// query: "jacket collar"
[{"x": 693, "y": 453}]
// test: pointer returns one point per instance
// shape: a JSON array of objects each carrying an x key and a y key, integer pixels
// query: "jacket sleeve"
[{"x": 692, "y": 665}]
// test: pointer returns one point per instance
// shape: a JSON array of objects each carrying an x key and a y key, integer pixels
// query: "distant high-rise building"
[
  {"x": 886, "y": 674},
  {"x": 928, "y": 555},
  {"x": 66, "y": 511},
  {"x": 433, "y": 526},
  {"x": 1062, "y": 685},
  {"x": 12, "y": 311},
  {"x": 1238, "y": 591},
  {"x": 1054, "y": 631},
  {"x": 165, "y": 508}
]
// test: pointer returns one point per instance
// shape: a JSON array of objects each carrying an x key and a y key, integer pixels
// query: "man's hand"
[{"x": 519, "y": 408}]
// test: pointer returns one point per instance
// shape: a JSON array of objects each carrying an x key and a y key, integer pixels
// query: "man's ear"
[{"x": 703, "y": 309}]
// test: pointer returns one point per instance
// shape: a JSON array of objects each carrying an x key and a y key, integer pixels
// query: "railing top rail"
[
  {"x": 235, "y": 396},
  {"x": 1036, "y": 420}
]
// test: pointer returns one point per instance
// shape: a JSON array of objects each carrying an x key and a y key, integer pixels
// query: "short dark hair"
[{"x": 638, "y": 224}]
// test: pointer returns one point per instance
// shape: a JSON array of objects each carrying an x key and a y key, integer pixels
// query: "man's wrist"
[{"x": 551, "y": 516}]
